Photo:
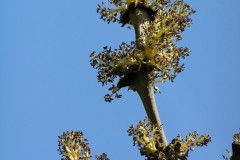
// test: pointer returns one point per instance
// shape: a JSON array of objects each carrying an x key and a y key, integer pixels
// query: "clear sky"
[{"x": 47, "y": 85}]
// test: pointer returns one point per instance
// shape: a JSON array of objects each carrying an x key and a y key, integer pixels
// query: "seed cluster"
[
  {"x": 160, "y": 56},
  {"x": 73, "y": 146},
  {"x": 146, "y": 136}
]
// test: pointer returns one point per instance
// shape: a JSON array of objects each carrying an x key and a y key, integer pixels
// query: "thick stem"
[
  {"x": 142, "y": 83},
  {"x": 139, "y": 18},
  {"x": 144, "y": 87},
  {"x": 236, "y": 151}
]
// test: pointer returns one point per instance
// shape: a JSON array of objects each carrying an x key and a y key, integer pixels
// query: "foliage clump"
[
  {"x": 147, "y": 137},
  {"x": 160, "y": 56},
  {"x": 73, "y": 146}
]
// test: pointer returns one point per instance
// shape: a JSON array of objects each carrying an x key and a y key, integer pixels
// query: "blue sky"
[{"x": 47, "y": 85}]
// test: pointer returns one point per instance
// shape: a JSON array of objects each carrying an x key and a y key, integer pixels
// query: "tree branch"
[{"x": 141, "y": 82}]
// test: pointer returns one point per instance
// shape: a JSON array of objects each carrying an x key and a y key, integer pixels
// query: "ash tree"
[{"x": 152, "y": 57}]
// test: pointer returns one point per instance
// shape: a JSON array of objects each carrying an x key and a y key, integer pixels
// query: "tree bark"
[{"x": 141, "y": 81}]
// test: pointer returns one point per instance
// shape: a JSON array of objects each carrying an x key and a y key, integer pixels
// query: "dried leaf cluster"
[
  {"x": 147, "y": 136},
  {"x": 160, "y": 56}
]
